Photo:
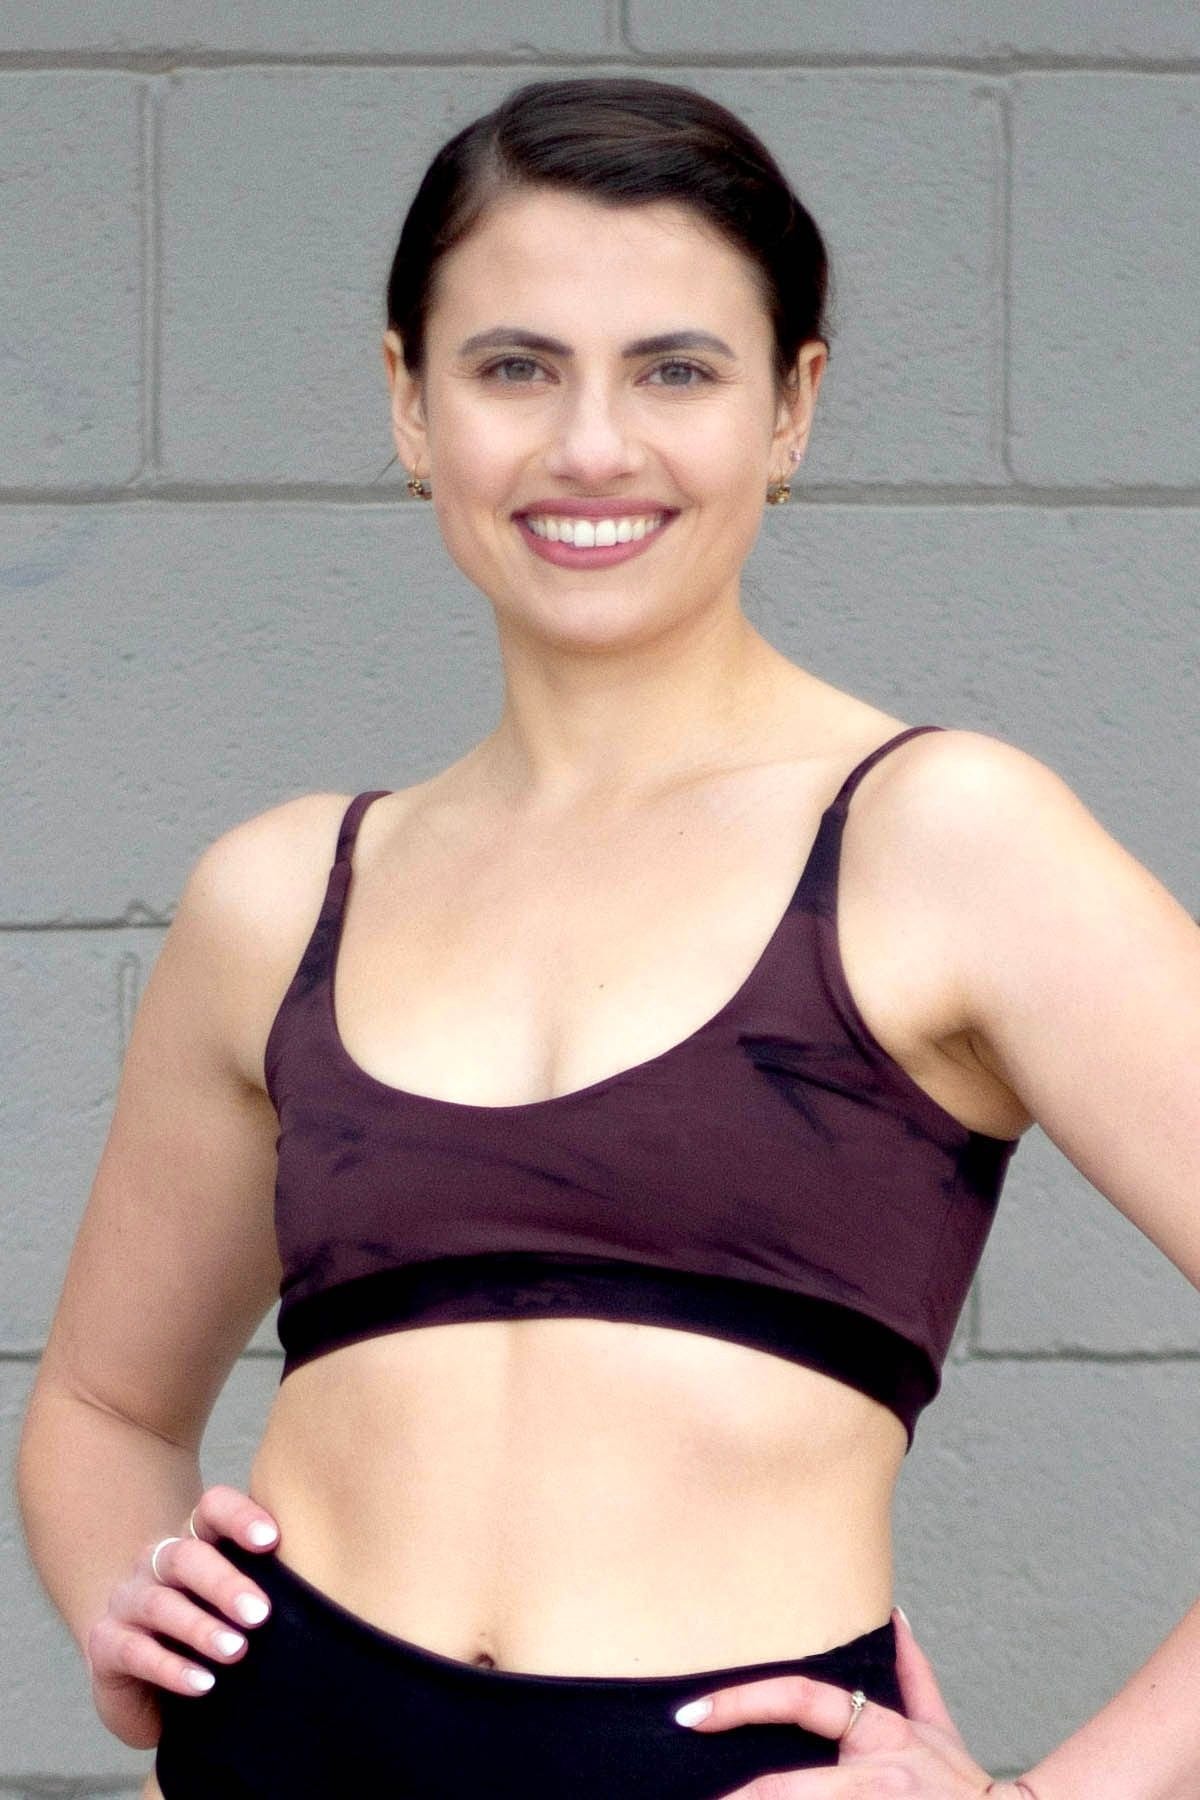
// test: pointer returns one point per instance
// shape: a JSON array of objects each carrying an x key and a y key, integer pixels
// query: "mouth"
[{"x": 578, "y": 543}]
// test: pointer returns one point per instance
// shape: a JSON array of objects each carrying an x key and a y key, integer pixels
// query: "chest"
[{"x": 504, "y": 973}]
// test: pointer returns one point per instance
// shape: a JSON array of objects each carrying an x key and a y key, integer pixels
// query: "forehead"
[{"x": 550, "y": 251}]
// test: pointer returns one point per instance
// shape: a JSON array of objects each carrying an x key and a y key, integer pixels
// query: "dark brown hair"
[{"x": 621, "y": 141}]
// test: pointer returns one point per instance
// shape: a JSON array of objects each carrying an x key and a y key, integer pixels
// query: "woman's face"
[{"x": 692, "y": 431}]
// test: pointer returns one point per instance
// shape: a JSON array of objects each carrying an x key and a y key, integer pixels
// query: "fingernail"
[
  {"x": 693, "y": 1712},
  {"x": 261, "y": 1532},
  {"x": 249, "y": 1608},
  {"x": 229, "y": 1642},
  {"x": 199, "y": 1680},
  {"x": 905, "y": 1617}
]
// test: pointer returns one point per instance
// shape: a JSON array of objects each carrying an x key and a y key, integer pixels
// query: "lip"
[{"x": 566, "y": 508}]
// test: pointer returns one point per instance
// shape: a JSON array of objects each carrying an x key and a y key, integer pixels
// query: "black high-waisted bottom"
[{"x": 324, "y": 1705}]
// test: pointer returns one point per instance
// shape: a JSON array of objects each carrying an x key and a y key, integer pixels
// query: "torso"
[{"x": 575, "y": 1496}]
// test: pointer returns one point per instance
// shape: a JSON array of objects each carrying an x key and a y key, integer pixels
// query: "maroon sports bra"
[{"x": 776, "y": 1178}]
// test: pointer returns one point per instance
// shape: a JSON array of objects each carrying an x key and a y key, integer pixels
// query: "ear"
[
  {"x": 407, "y": 407},
  {"x": 797, "y": 405}
]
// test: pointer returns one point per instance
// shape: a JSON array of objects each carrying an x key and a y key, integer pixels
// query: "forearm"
[
  {"x": 1145, "y": 1744},
  {"x": 94, "y": 1489}
]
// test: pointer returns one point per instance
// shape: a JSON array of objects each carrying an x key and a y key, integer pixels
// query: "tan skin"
[{"x": 629, "y": 835}]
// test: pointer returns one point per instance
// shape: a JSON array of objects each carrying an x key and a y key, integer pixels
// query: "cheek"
[
  {"x": 720, "y": 454},
  {"x": 467, "y": 443},
  {"x": 473, "y": 485}
]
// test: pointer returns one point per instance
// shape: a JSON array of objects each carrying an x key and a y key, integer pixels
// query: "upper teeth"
[{"x": 591, "y": 534}]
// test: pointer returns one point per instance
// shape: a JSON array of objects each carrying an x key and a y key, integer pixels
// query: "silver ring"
[
  {"x": 191, "y": 1525},
  {"x": 154, "y": 1555},
  {"x": 857, "y": 1701}
]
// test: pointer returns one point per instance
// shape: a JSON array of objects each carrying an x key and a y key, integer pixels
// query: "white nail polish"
[
  {"x": 261, "y": 1533},
  {"x": 229, "y": 1642},
  {"x": 251, "y": 1609},
  {"x": 199, "y": 1680},
  {"x": 693, "y": 1712}
]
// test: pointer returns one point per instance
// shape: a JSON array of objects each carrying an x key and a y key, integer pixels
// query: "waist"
[{"x": 521, "y": 1494}]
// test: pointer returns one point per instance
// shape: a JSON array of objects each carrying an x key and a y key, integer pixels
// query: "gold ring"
[
  {"x": 191, "y": 1525},
  {"x": 857, "y": 1701},
  {"x": 155, "y": 1553}
]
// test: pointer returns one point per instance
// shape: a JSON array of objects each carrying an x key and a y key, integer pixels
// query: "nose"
[{"x": 592, "y": 443}]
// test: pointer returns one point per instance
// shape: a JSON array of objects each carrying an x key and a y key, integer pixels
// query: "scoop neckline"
[
  {"x": 940, "y": 1118},
  {"x": 593, "y": 1087}
]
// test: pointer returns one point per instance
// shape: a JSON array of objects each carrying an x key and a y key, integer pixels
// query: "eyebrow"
[{"x": 503, "y": 336}]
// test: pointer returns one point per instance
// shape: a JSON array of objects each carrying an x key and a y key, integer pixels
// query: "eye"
[
  {"x": 491, "y": 371},
  {"x": 507, "y": 362},
  {"x": 694, "y": 368}
]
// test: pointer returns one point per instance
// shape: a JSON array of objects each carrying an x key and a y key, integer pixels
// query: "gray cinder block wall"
[{"x": 211, "y": 604}]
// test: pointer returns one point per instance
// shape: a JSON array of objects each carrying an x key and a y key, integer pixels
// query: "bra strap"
[
  {"x": 842, "y": 798},
  {"x": 315, "y": 971},
  {"x": 352, "y": 819}
]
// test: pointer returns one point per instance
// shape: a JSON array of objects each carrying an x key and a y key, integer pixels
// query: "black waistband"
[{"x": 822, "y": 1334}]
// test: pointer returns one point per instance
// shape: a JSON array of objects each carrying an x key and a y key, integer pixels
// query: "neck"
[{"x": 605, "y": 728}]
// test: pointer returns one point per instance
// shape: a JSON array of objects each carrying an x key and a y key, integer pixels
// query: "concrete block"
[
  {"x": 1105, "y": 383},
  {"x": 60, "y": 1035},
  {"x": 284, "y": 193},
  {"x": 1070, "y": 632},
  {"x": 52, "y": 1788},
  {"x": 70, "y": 280},
  {"x": 1045, "y": 1540},
  {"x": 225, "y": 659},
  {"x": 1066, "y": 1273},
  {"x": 1000, "y": 29},
  {"x": 302, "y": 28}
]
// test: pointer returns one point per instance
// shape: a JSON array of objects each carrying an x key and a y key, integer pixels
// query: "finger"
[
  {"x": 918, "y": 1684},
  {"x": 120, "y": 1653},
  {"x": 195, "y": 1565},
  {"x": 224, "y": 1512},
  {"x": 171, "y": 1613},
  {"x": 818, "y": 1706}
]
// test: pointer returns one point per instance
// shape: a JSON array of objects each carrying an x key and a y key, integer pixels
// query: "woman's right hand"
[{"x": 128, "y": 1663}]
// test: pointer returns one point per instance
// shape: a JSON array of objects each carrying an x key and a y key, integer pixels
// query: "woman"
[{"x": 630, "y": 1189}]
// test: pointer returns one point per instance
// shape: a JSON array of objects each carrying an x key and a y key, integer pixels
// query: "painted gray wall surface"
[{"x": 210, "y": 605}]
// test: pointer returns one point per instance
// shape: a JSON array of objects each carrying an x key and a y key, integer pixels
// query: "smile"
[{"x": 591, "y": 543}]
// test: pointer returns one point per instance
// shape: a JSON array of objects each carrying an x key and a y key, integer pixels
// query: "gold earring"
[
  {"x": 779, "y": 491},
  {"x": 417, "y": 487}
]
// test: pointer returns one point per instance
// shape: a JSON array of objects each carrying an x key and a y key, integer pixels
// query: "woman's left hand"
[{"x": 921, "y": 1756}]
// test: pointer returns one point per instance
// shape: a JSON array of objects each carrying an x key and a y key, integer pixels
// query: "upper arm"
[
  {"x": 175, "y": 1261},
  {"x": 1078, "y": 974}
]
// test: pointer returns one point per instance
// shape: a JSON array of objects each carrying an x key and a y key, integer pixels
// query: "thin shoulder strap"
[
  {"x": 313, "y": 976},
  {"x": 337, "y": 885},
  {"x": 352, "y": 819},
  {"x": 842, "y": 798}
]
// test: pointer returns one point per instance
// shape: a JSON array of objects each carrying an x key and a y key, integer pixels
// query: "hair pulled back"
[{"x": 622, "y": 141}]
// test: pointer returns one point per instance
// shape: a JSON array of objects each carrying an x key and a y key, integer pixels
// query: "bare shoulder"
[
  {"x": 956, "y": 767},
  {"x": 988, "y": 853},
  {"x": 253, "y": 896},
  {"x": 245, "y": 867},
  {"x": 961, "y": 797}
]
